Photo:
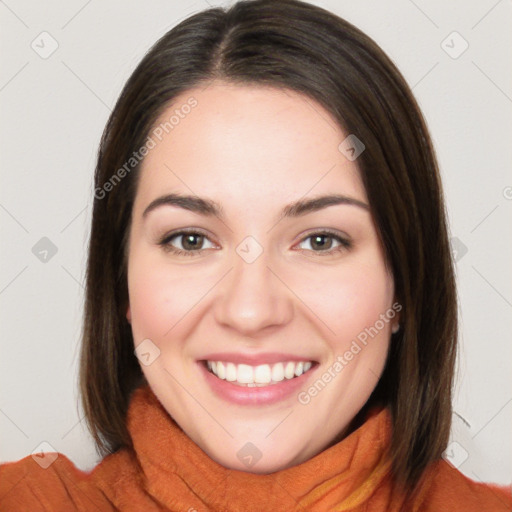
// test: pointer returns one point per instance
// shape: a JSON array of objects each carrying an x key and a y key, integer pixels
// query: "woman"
[{"x": 270, "y": 318}]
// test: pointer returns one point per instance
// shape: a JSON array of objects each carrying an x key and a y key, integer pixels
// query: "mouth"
[
  {"x": 257, "y": 384},
  {"x": 258, "y": 376}
]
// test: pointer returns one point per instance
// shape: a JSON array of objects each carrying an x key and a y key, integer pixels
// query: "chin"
[{"x": 250, "y": 459}]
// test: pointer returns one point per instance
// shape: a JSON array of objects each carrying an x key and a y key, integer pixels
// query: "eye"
[
  {"x": 190, "y": 241},
  {"x": 322, "y": 242}
]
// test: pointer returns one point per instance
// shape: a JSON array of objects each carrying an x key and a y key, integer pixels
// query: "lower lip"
[{"x": 263, "y": 395}]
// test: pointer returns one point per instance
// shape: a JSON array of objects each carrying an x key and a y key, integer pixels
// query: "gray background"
[{"x": 53, "y": 111}]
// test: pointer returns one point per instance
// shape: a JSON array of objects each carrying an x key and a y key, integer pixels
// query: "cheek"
[
  {"x": 341, "y": 302},
  {"x": 351, "y": 299},
  {"x": 159, "y": 297}
]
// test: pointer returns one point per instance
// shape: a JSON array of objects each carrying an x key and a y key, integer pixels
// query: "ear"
[
  {"x": 129, "y": 314},
  {"x": 395, "y": 324}
]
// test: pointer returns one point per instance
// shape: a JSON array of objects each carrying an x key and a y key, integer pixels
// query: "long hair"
[{"x": 292, "y": 45}]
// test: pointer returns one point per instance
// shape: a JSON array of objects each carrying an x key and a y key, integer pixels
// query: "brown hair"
[{"x": 292, "y": 45}]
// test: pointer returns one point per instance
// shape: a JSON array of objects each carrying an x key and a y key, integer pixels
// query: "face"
[{"x": 258, "y": 315}]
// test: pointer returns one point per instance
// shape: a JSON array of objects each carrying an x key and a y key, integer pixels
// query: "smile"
[
  {"x": 260, "y": 375},
  {"x": 256, "y": 384}
]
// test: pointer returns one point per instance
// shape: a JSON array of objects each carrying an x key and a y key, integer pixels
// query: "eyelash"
[{"x": 165, "y": 242}]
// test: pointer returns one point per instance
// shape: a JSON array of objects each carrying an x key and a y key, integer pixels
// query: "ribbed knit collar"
[{"x": 180, "y": 476}]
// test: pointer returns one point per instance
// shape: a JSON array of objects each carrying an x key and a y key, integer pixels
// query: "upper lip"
[{"x": 255, "y": 359}]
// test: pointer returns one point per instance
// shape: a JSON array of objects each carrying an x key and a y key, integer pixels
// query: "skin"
[{"x": 255, "y": 149}]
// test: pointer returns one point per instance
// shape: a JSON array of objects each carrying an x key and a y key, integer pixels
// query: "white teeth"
[
  {"x": 278, "y": 372},
  {"x": 289, "y": 370},
  {"x": 245, "y": 374},
  {"x": 230, "y": 372},
  {"x": 263, "y": 374},
  {"x": 221, "y": 370}
]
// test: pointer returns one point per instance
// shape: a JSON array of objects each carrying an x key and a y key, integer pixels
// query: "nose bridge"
[{"x": 252, "y": 297}]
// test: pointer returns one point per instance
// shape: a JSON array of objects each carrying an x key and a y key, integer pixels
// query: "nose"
[{"x": 253, "y": 298}]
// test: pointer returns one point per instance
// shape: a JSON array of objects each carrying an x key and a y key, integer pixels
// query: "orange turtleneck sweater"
[{"x": 167, "y": 471}]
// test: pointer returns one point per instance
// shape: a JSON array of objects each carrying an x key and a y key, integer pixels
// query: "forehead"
[{"x": 247, "y": 142}]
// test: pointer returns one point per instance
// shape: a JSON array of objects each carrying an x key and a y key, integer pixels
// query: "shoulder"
[
  {"x": 450, "y": 490},
  {"x": 48, "y": 482}
]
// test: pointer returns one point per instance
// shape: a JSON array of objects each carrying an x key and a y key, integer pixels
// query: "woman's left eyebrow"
[{"x": 210, "y": 208}]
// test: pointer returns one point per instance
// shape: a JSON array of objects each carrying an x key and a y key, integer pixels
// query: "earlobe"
[
  {"x": 128, "y": 315},
  {"x": 395, "y": 326}
]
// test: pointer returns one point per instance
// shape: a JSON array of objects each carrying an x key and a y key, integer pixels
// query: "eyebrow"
[{"x": 210, "y": 208}]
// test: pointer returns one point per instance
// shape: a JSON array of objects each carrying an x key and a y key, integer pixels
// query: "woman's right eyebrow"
[
  {"x": 210, "y": 208},
  {"x": 195, "y": 204}
]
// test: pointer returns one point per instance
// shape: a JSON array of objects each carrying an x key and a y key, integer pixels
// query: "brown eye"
[
  {"x": 325, "y": 242},
  {"x": 191, "y": 241},
  {"x": 188, "y": 243},
  {"x": 321, "y": 242}
]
